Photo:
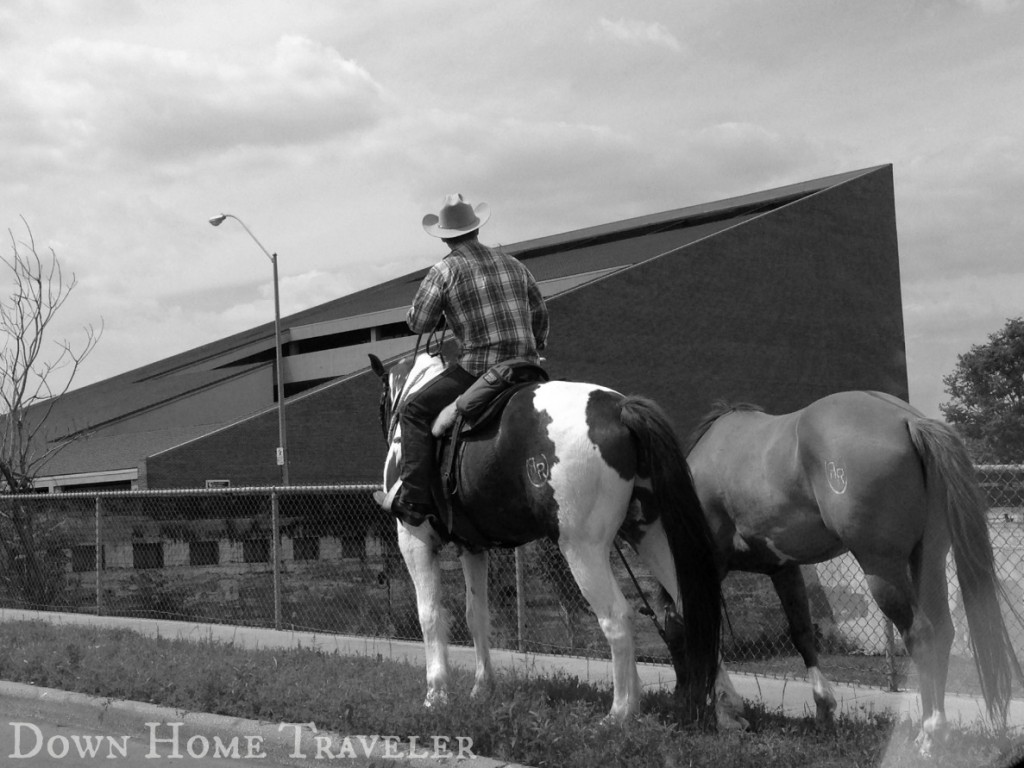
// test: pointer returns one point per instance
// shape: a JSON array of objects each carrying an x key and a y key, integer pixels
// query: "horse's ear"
[{"x": 377, "y": 366}]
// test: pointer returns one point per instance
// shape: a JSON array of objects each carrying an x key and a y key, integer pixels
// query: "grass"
[{"x": 533, "y": 721}]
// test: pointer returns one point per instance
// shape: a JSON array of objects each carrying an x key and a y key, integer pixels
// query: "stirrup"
[{"x": 414, "y": 514}]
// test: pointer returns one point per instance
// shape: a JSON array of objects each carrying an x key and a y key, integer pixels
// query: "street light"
[{"x": 282, "y": 449}]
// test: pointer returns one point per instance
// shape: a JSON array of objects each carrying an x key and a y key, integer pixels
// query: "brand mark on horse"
[
  {"x": 538, "y": 470},
  {"x": 836, "y": 475}
]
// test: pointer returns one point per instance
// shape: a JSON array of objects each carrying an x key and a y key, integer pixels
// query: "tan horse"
[{"x": 866, "y": 473}]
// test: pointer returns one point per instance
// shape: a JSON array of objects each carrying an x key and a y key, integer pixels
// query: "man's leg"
[{"x": 415, "y": 500}]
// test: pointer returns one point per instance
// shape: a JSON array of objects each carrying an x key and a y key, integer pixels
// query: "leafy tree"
[
  {"x": 987, "y": 396},
  {"x": 35, "y": 372}
]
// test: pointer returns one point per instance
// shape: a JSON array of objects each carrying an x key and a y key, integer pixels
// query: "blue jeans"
[{"x": 419, "y": 463}]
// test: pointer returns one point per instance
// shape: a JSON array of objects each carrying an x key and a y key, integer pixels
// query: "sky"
[{"x": 331, "y": 127}]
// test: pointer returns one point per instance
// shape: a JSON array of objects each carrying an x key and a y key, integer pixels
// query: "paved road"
[{"x": 60, "y": 729}]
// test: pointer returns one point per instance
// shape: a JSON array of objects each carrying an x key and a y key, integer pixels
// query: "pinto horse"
[
  {"x": 866, "y": 473},
  {"x": 577, "y": 463}
]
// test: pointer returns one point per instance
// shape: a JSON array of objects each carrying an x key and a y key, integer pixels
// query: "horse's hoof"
[
  {"x": 728, "y": 715},
  {"x": 923, "y": 742},
  {"x": 728, "y": 718},
  {"x": 931, "y": 739},
  {"x": 825, "y": 718},
  {"x": 436, "y": 699},
  {"x": 619, "y": 715},
  {"x": 928, "y": 746},
  {"x": 925, "y": 749}
]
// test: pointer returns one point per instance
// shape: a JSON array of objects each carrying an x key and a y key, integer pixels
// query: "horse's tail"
[
  {"x": 953, "y": 491},
  {"x": 675, "y": 502}
]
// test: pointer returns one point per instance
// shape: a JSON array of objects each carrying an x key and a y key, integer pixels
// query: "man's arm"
[{"x": 428, "y": 304}]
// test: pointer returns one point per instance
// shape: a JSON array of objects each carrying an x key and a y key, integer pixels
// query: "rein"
[
  {"x": 647, "y": 610},
  {"x": 385, "y": 402},
  {"x": 388, "y": 413},
  {"x": 435, "y": 339}
]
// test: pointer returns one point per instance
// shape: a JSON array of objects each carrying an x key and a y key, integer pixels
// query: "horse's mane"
[{"x": 718, "y": 409}]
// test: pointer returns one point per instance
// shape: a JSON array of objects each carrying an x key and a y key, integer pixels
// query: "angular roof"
[{"x": 559, "y": 262}]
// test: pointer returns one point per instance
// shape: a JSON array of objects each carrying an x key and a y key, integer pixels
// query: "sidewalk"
[{"x": 792, "y": 697}]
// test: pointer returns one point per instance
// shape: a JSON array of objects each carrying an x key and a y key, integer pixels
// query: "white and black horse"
[{"x": 578, "y": 463}]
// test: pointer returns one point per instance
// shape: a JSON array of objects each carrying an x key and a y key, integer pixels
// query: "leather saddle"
[{"x": 475, "y": 410}]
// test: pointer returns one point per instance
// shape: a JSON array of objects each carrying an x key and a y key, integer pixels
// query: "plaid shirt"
[{"x": 492, "y": 304}]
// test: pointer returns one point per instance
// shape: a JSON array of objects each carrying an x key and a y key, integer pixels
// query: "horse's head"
[{"x": 399, "y": 382}]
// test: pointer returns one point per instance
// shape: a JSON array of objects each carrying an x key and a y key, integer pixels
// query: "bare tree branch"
[{"x": 35, "y": 372}]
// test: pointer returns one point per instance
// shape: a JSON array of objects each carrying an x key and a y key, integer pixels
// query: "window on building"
[
  {"x": 148, "y": 554},
  {"x": 112, "y": 485},
  {"x": 329, "y": 341},
  {"x": 256, "y": 550},
  {"x": 306, "y": 548},
  {"x": 203, "y": 553},
  {"x": 393, "y": 331}
]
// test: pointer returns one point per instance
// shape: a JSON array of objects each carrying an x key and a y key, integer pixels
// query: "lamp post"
[{"x": 282, "y": 448}]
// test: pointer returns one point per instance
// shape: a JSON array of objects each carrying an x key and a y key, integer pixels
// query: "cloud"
[
  {"x": 543, "y": 177},
  {"x": 752, "y": 157},
  {"x": 546, "y": 176},
  {"x": 635, "y": 32},
  {"x": 958, "y": 206},
  {"x": 945, "y": 316},
  {"x": 312, "y": 288},
  {"x": 183, "y": 320},
  {"x": 166, "y": 104}
]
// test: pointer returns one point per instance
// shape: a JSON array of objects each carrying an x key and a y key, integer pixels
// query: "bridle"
[
  {"x": 389, "y": 413},
  {"x": 385, "y": 406}
]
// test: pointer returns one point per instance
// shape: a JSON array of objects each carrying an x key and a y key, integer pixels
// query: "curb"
[{"x": 276, "y": 740}]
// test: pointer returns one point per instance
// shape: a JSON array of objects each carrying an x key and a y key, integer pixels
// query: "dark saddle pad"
[{"x": 477, "y": 408}]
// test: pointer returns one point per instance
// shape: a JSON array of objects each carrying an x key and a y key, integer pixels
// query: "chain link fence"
[{"x": 326, "y": 559}]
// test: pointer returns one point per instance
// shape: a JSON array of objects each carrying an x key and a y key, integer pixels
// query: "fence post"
[
  {"x": 275, "y": 525},
  {"x": 520, "y": 601},
  {"x": 99, "y": 556},
  {"x": 890, "y": 655}
]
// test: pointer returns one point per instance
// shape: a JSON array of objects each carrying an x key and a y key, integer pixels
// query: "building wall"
[
  {"x": 778, "y": 311},
  {"x": 334, "y": 436}
]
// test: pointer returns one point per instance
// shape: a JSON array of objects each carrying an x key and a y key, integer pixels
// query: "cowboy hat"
[{"x": 457, "y": 218}]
